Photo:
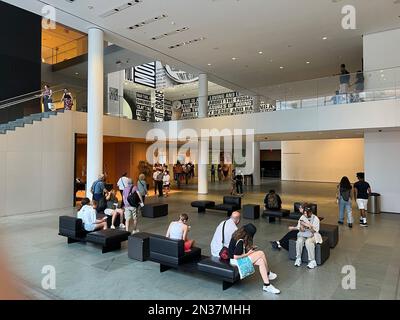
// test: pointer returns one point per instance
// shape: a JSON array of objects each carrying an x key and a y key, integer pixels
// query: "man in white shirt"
[
  {"x": 122, "y": 183},
  {"x": 230, "y": 228}
]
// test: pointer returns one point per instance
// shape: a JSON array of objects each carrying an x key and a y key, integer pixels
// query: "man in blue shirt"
[{"x": 98, "y": 188}]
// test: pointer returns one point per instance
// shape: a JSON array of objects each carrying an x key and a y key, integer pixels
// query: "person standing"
[
  {"x": 47, "y": 95},
  {"x": 159, "y": 181},
  {"x": 142, "y": 186},
  {"x": 155, "y": 174},
  {"x": 131, "y": 209},
  {"x": 67, "y": 99},
  {"x": 122, "y": 183},
  {"x": 212, "y": 173},
  {"x": 166, "y": 183},
  {"x": 219, "y": 169},
  {"x": 344, "y": 80},
  {"x": 239, "y": 182},
  {"x": 343, "y": 198},
  {"x": 362, "y": 190},
  {"x": 98, "y": 190}
]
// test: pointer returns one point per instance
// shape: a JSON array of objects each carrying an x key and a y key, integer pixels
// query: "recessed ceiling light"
[
  {"x": 209, "y": 64},
  {"x": 281, "y": 67},
  {"x": 308, "y": 62},
  {"x": 324, "y": 38},
  {"x": 233, "y": 58},
  {"x": 260, "y": 52},
  {"x": 76, "y": 73}
]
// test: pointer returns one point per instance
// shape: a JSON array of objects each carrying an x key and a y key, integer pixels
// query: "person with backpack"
[
  {"x": 122, "y": 183},
  {"x": 343, "y": 198},
  {"x": 132, "y": 200},
  {"x": 272, "y": 201}
]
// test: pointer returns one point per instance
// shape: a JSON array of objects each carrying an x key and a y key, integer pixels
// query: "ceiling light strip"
[
  {"x": 187, "y": 43},
  {"x": 148, "y": 21},
  {"x": 167, "y": 34},
  {"x": 120, "y": 8}
]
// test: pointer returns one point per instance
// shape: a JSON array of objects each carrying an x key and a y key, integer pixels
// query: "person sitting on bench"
[
  {"x": 292, "y": 234},
  {"x": 241, "y": 248},
  {"x": 229, "y": 227},
  {"x": 272, "y": 201},
  {"x": 87, "y": 214},
  {"x": 113, "y": 210},
  {"x": 179, "y": 230},
  {"x": 308, "y": 235}
]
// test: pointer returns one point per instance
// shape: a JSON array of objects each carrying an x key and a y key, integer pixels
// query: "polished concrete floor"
[{"x": 83, "y": 272}]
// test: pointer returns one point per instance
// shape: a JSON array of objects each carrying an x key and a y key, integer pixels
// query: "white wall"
[
  {"x": 322, "y": 160},
  {"x": 382, "y": 154}
]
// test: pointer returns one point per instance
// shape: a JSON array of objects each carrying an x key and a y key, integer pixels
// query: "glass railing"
[{"x": 65, "y": 51}]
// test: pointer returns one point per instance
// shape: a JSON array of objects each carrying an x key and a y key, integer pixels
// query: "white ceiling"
[{"x": 288, "y": 32}]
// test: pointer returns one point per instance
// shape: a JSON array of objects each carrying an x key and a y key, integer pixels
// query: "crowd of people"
[{"x": 229, "y": 242}]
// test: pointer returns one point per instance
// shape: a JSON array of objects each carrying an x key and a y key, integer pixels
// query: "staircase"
[{"x": 20, "y": 123}]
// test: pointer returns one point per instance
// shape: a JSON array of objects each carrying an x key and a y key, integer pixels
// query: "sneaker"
[
  {"x": 112, "y": 227},
  {"x": 363, "y": 224},
  {"x": 297, "y": 263},
  {"x": 122, "y": 226},
  {"x": 350, "y": 225},
  {"x": 340, "y": 222},
  {"x": 135, "y": 231},
  {"x": 275, "y": 245},
  {"x": 312, "y": 264},
  {"x": 272, "y": 276},
  {"x": 271, "y": 289}
]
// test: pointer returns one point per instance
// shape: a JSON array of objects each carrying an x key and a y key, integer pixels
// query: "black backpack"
[{"x": 133, "y": 198}]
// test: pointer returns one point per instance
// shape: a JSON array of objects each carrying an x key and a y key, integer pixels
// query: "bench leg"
[
  {"x": 164, "y": 268},
  {"x": 226, "y": 285},
  {"x": 111, "y": 247},
  {"x": 201, "y": 210},
  {"x": 271, "y": 219},
  {"x": 70, "y": 240}
]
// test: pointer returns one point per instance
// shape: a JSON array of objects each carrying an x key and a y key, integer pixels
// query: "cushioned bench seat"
[
  {"x": 330, "y": 231},
  {"x": 322, "y": 251},
  {"x": 110, "y": 239},
  {"x": 72, "y": 228},
  {"x": 219, "y": 269},
  {"x": 202, "y": 205},
  {"x": 272, "y": 214},
  {"x": 155, "y": 210},
  {"x": 229, "y": 208}
]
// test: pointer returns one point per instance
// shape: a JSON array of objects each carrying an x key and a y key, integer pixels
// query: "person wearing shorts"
[
  {"x": 362, "y": 190},
  {"x": 130, "y": 211}
]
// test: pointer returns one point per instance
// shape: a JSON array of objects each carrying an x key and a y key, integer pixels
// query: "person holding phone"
[
  {"x": 113, "y": 210},
  {"x": 241, "y": 247},
  {"x": 87, "y": 213}
]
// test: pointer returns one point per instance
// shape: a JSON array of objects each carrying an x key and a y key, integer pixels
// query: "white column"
[
  {"x": 94, "y": 161},
  {"x": 203, "y": 96},
  {"x": 256, "y": 164},
  {"x": 202, "y": 180},
  {"x": 256, "y": 103}
]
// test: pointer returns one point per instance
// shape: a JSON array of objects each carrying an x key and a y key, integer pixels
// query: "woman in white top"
[
  {"x": 178, "y": 230},
  {"x": 166, "y": 183},
  {"x": 88, "y": 215}
]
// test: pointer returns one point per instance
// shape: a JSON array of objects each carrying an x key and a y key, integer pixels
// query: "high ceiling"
[{"x": 289, "y": 33}]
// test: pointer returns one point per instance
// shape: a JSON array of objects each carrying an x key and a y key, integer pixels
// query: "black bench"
[
  {"x": 251, "y": 211},
  {"x": 139, "y": 246},
  {"x": 273, "y": 214},
  {"x": 331, "y": 231},
  {"x": 72, "y": 228},
  {"x": 296, "y": 214},
  {"x": 219, "y": 269},
  {"x": 322, "y": 251},
  {"x": 229, "y": 204},
  {"x": 170, "y": 254},
  {"x": 155, "y": 210}
]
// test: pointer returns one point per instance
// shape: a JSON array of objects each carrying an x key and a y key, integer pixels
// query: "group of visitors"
[
  {"x": 105, "y": 201},
  {"x": 343, "y": 95},
  {"x": 162, "y": 180},
  {"x": 183, "y": 172},
  {"x": 47, "y": 95}
]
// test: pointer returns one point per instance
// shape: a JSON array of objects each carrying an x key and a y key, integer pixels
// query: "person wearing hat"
[
  {"x": 241, "y": 248},
  {"x": 308, "y": 236}
]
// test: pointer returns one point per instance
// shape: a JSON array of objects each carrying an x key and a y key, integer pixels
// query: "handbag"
[
  {"x": 224, "y": 252},
  {"x": 245, "y": 265}
]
